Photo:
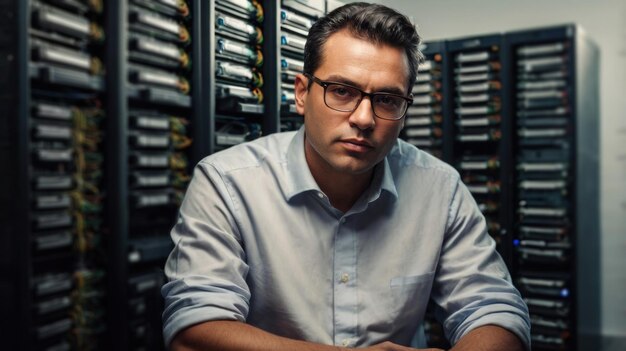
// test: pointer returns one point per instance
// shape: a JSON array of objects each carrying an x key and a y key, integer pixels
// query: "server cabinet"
[
  {"x": 53, "y": 62},
  {"x": 296, "y": 18},
  {"x": 554, "y": 98},
  {"x": 424, "y": 121},
  {"x": 479, "y": 143},
  {"x": 156, "y": 136},
  {"x": 236, "y": 72}
]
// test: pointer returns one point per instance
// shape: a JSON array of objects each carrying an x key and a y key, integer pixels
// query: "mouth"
[{"x": 357, "y": 145}]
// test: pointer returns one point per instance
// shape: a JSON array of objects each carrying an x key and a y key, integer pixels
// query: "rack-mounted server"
[
  {"x": 553, "y": 74},
  {"x": 54, "y": 59},
  {"x": 158, "y": 113},
  {"x": 423, "y": 125},
  {"x": 239, "y": 65},
  {"x": 476, "y": 146},
  {"x": 521, "y": 126},
  {"x": 296, "y": 18}
]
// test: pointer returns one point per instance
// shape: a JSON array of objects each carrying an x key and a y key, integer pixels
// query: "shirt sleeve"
[
  {"x": 472, "y": 286},
  {"x": 206, "y": 270}
]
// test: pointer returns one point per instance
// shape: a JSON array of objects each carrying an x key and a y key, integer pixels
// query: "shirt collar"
[
  {"x": 387, "y": 183},
  {"x": 300, "y": 179}
]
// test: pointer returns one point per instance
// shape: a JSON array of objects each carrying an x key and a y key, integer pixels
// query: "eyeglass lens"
[{"x": 345, "y": 98}]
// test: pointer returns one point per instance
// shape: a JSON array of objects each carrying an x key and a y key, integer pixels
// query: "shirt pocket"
[{"x": 409, "y": 296}]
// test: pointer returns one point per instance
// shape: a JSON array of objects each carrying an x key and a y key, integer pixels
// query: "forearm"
[
  {"x": 489, "y": 338},
  {"x": 238, "y": 336}
]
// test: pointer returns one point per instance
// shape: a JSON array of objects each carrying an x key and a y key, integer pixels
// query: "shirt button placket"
[{"x": 345, "y": 299}]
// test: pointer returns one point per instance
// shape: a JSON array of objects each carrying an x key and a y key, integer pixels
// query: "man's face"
[{"x": 351, "y": 143}]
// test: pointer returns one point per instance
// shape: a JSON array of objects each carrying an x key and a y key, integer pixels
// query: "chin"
[{"x": 353, "y": 168}]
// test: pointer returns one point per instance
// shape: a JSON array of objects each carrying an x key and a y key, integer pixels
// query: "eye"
[
  {"x": 343, "y": 92},
  {"x": 388, "y": 100},
  {"x": 340, "y": 91}
]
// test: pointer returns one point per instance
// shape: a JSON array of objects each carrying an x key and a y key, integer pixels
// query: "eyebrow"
[{"x": 340, "y": 79}]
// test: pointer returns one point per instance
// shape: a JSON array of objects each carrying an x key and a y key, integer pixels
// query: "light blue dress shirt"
[{"x": 258, "y": 241}]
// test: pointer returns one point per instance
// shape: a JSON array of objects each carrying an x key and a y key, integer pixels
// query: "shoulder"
[
  {"x": 406, "y": 157},
  {"x": 250, "y": 155}
]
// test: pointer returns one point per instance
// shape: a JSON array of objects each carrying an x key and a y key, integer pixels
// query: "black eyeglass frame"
[{"x": 324, "y": 84}]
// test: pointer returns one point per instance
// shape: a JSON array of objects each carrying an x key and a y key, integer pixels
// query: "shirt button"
[
  {"x": 344, "y": 278},
  {"x": 320, "y": 195},
  {"x": 345, "y": 342},
  {"x": 343, "y": 220}
]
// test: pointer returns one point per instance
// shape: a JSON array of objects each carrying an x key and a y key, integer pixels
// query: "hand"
[{"x": 389, "y": 346}]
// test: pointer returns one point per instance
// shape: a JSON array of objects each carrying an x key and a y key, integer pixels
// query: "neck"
[{"x": 343, "y": 191}]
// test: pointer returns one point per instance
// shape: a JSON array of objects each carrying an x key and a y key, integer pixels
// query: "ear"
[{"x": 300, "y": 85}]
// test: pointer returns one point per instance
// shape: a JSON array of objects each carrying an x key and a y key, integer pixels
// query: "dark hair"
[{"x": 373, "y": 22}]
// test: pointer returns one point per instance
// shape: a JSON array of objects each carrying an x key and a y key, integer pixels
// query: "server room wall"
[{"x": 605, "y": 22}]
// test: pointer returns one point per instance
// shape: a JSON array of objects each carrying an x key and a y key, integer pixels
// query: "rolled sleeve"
[
  {"x": 195, "y": 300},
  {"x": 473, "y": 287},
  {"x": 206, "y": 270}
]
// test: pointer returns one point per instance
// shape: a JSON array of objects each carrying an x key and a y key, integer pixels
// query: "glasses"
[{"x": 346, "y": 98}]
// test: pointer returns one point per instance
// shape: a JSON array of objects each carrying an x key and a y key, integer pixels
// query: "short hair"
[{"x": 376, "y": 23}]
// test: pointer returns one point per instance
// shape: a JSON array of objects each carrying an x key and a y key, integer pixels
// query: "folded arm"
[
  {"x": 489, "y": 338},
  {"x": 238, "y": 336}
]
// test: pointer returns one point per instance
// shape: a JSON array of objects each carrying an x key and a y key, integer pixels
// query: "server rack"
[
  {"x": 156, "y": 135},
  {"x": 296, "y": 18},
  {"x": 236, "y": 48},
  {"x": 424, "y": 121},
  {"x": 554, "y": 90},
  {"x": 479, "y": 143},
  {"x": 53, "y": 58}
]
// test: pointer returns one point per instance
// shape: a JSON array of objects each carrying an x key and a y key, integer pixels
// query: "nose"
[{"x": 363, "y": 116}]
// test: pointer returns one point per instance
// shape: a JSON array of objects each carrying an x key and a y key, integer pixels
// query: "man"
[{"x": 336, "y": 236}]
